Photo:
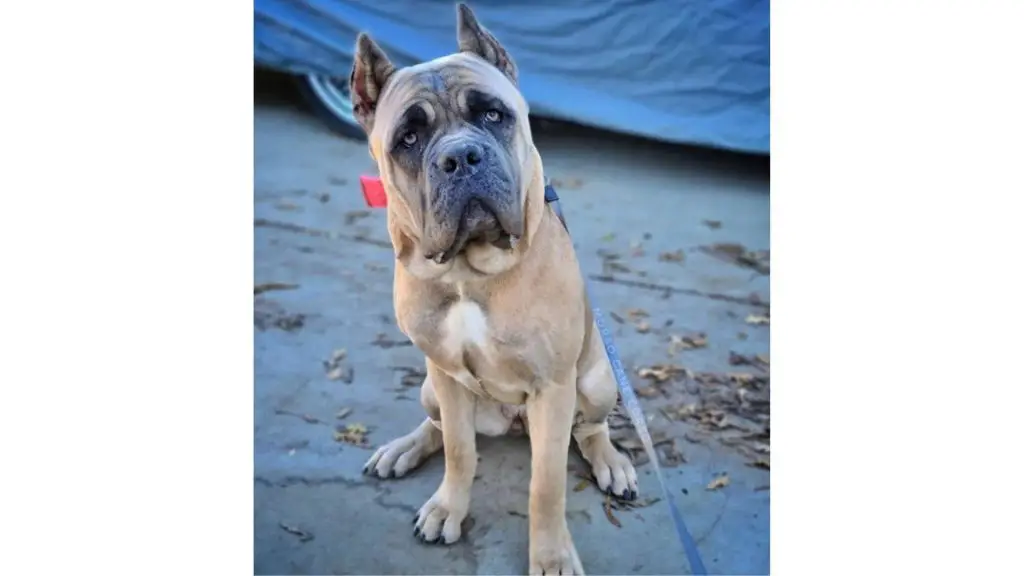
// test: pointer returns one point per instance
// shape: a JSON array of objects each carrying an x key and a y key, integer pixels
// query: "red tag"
[{"x": 373, "y": 191}]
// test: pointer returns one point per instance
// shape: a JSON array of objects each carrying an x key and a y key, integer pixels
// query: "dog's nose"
[{"x": 462, "y": 158}]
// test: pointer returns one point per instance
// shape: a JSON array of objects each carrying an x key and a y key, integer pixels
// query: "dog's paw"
[
  {"x": 439, "y": 521},
  {"x": 613, "y": 470},
  {"x": 554, "y": 555},
  {"x": 398, "y": 457}
]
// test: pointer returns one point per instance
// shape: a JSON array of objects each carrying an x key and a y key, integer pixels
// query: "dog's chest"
[
  {"x": 480, "y": 356},
  {"x": 464, "y": 327}
]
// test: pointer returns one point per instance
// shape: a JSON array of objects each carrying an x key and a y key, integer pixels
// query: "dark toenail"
[
  {"x": 416, "y": 531},
  {"x": 415, "y": 519}
]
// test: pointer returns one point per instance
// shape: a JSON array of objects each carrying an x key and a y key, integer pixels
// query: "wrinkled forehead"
[{"x": 444, "y": 85}]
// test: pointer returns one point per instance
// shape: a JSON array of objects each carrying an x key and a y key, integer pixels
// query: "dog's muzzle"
[{"x": 474, "y": 199}]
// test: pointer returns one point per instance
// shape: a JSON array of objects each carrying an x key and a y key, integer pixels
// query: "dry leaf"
[
  {"x": 661, "y": 372},
  {"x": 763, "y": 359},
  {"x": 741, "y": 378},
  {"x": 636, "y": 249},
  {"x": 709, "y": 378},
  {"x": 682, "y": 412},
  {"x": 581, "y": 486},
  {"x": 677, "y": 256},
  {"x": 343, "y": 413},
  {"x": 343, "y": 373},
  {"x": 759, "y": 260},
  {"x": 648, "y": 392},
  {"x": 713, "y": 224},
  {"x": 608, "y": 237},
  {"x": 758, "y": 320},
  {"x": 741, "y": 335},
  {"x": 617, "y": 267},
  {"x": 608, "y": 512},
  {"x": 352, "y": 216},
  {"x": 678, "y": 343},
  {"x": 413, "y": 376},
  {"x": 643, "y": 326},
  {"x": 302, "y": 534},
  {"x": 354, "y": 433},
  {"x": 335, "y": 368},
  {"x": 760, "y": 463},
  {"x": 727, "y": 248},
  {"x": 737, "y": 359},
  {"x": 269, "y": 286},
  {"x": 719, "y": 482},
  {"x": 739, "y": 255},
  {"x": 384, "y": 341},
  {"x": 310, "y": 419},
  {"x": 635, "y": 313}
]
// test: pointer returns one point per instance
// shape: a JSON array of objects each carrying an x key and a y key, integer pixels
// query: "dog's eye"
[
  {"x": 493, "y": 116},
  {"x": 409, "y": 139}
]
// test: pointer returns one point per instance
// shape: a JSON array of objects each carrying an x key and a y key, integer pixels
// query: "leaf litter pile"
[{"x": 731, "y": 406}]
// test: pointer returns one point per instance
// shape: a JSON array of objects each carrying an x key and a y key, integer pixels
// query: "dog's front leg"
[
  {"x": 550, "y": 414},
  {"x": 440, "y": 519}
]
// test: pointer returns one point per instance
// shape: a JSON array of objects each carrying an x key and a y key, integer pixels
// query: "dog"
[{"x": 486, "y": 285}]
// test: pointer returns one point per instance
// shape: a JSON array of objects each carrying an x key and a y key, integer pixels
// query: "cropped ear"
[
  {"x": 476, "y": 39},
  {"x": 371, "y": 71}
]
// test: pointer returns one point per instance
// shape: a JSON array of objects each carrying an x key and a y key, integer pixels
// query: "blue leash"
[{"x": 636, "y": 414}]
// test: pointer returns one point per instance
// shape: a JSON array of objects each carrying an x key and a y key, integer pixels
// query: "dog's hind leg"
[
  {"x": 596, "y": 396},
  {"x": 402, "y": 455}
]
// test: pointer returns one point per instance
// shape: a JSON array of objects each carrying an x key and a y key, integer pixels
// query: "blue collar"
[{"x": 549, "y": 194}]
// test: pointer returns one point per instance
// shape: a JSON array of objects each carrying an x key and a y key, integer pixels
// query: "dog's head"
[{"x": 452, "y": 142}]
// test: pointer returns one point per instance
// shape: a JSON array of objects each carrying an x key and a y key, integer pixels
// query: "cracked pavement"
[{"x": 326, "y": 264}]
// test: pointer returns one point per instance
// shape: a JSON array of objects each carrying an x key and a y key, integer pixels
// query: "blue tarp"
[{"x": 693, "y": 72}]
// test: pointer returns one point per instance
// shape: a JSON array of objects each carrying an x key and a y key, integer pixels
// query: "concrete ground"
[{"x": 689, "y": 318}]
